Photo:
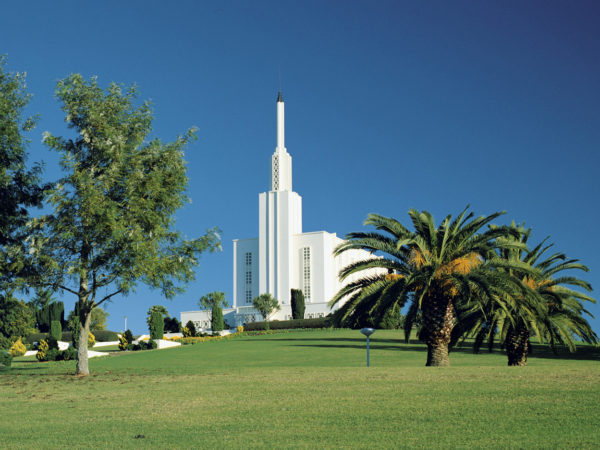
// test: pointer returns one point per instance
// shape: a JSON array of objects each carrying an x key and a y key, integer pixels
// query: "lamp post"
[
  {"x": 125, "y": 323},
  {"x": 367, "y": 332}
]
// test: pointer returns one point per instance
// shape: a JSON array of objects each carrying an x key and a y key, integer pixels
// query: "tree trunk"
[
  {"x": 438, "y": 321},
  {"x": 517, "y": 343},
  {"x": 82, "y": 367}
]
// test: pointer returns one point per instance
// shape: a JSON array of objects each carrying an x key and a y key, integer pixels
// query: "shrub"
[
  {"x": 56, "y": 330},
  {"x": 126, "y": 341},
  {"x": 128, "y": 335},
  {"x": 43, "y": 349},
  {"x": 69, "y": 354},
  {"x": 4, "y": 342},
  {"x": 240, "y": 329},
  {"x": 67, "y": 336},
  {"x": 191, "y": 328},
  {"x": 123, "y": 343},
  {"x": 52, "y": 343},
  {"x": 53, "y": 354},
  {"x": 106, "y": 335},
  {"x": 5, "y": 359},
  {"x": 37, "y": 337},
  {"x": 216, "y": 323},
  {"x": 17, "y": 349},
  {"x": 321, "y": 322},
  {"x": 298, "y": 306},
  {"x": 172, "y": 325},
  {"x": 156, "y": 325},
  {"x": 34, "y": 337},
  {"x": 91, "y": 340}
]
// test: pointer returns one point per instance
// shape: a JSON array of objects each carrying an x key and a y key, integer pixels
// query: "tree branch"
[
  {"x": 67, "y": 289},
  {"x": 109, "y": 296}
]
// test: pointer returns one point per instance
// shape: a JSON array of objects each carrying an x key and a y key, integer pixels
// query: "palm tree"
[
  {"x": 266, "y": 304},
  {"x": 433, "y": 268},
  {"x": 549, "y": 309}
]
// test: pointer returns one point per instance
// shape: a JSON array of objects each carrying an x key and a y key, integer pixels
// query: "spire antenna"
[{"x": 279, "y": 75}]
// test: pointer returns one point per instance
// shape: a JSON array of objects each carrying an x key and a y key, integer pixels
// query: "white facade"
[{"x": 282, "y": 257}]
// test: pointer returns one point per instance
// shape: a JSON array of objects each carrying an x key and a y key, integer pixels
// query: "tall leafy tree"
[
  {"x": 112, "y": 224},
  {"x": 20, "y": 187},
  {"x": 266, "y": 304},
  {"x": 16, "y": 320},
  {"x": 433, "y": 268}
]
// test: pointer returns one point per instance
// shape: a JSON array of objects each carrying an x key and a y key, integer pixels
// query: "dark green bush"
[
  {"x": 156, "y": 326},
  {"x": 216, "y": 323},
  {"x": 69, "y": 354},
  {"x": 322, "y": 322},
  {"x": 106, "y": 336},
  {"x": 145, "y": 345},
  {"x": 5, "y": 343},
  {"x": 298, "y": 305},
  {"x": 52, "y": 343},
  {"x": 190, "y": 326},
  {"x": 5, "y": 359},
  {"x": 172, "y": 325},
  {"x": 56, "y": 330},
  {"x": 128, "y": 336},
  {"x": 34, "y": 337},
  {"x": 52, "y": 354}
]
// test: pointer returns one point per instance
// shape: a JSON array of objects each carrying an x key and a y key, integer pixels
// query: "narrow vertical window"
[
  {"x": 306, "y": 274},
  {"x": 248, "y": 278}
]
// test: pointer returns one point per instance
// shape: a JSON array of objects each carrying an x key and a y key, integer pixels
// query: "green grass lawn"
[{"x": 303, "y": 389}]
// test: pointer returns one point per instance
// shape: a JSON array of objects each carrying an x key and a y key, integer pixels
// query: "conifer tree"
[{"x": 298, "y": 305}]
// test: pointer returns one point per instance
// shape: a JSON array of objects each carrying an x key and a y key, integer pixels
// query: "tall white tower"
[{"x": 280, "y": 217}]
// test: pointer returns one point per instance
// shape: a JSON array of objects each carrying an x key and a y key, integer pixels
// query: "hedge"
[
  {"x": 321, "y": 322},
  {"x": 100, "y": 335}
]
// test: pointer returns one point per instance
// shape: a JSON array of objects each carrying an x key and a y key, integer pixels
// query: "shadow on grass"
[
  {"x": 16, "y": 369},
  {"x": 584, "y": 352}
]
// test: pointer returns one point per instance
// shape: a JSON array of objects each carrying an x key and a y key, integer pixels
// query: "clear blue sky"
[{"x": 390, "y": 105}]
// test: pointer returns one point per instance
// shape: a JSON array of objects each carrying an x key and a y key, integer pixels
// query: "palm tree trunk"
[
  {"x": 438, "y": 321},
  {"x": 517, "y": 343}
]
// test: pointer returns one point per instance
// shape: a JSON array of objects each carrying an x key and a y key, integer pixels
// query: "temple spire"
[
  {"x": 281, "y": 161},
  {"x": 280, "y": 124}
]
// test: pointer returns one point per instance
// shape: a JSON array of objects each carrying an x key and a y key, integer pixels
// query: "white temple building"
[{"x": 282, "y": 257}]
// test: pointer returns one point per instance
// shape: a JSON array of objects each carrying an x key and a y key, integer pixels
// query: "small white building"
[{"x": 282, "y": 257}]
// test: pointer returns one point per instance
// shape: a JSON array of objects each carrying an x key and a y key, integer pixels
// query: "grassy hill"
[{"x": 303, "y": 389}]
